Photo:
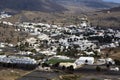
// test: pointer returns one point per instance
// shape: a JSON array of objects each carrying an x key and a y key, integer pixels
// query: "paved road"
[
  {"x": 40, "y": 75},
  {"x": 89, "y": 73}
]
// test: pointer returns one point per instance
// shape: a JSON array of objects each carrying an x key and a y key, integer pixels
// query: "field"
[
  {"x": 113, "y": 52},
  {"x": 12, "y": 74},
  {"x": 99, "y": 18},
  {"x": 55, "y": 60},
  {"x": 104, "y": 19},
  {"x": 84, "y": 73},
  {"x": 9, "y": 35}
]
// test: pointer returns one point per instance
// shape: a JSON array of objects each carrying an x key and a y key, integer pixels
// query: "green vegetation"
[
  {"x": 37, "y": 56},
  {"x": 12, "y": 74},
  {"x": 34, "y": 51},
  {"x": 2, "y": 53},
  {"x": 70, "y": 52},
  {"x": 69, "y": 77},
  {"x": 98, "y": 68},
  {"x": 94, "y": 79},
  {"x": 55, "y": 60},
  {"x": 117, "y": 62}
]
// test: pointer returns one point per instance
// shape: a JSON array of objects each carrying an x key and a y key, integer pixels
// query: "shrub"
[{"x": 98, "y": 68}]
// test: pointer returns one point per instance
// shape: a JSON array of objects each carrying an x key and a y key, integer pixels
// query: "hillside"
[
  {"x": 115, "y": 9},
  {"x": 31, "y": 5},
  {"x": 9, "y": 35},
  {"x": 106, "y": 18},
  {"x": 89, "y": 3},
  {"x": 86, "y": 5},
  {"x": 55, "y": 5},
  {"x": 69, "y": 9}
]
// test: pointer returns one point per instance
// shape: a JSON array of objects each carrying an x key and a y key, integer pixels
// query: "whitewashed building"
[{"x": 85, "y": 60}]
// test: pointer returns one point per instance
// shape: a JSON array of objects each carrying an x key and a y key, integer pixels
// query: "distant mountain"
[
  {"x": 115, "y": 9},
  {"x": 31, "y": 5},
  {"x": 55, "y": 5},
  {"x": 116, "y": 1},
  {"x": 89, "y": 3},
  {"x": 86, "y": 5}
]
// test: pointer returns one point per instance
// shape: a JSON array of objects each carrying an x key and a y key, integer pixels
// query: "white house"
[
  {"x": 117, "y": 35},
  {"x": 48, "y": 53},
  {"x": 101, "y": 61},
  {"x": 1, "y": 50},
  {"x": 89, "y": 53},
  {"x": 84, "y": 24},
  {"x": 61, "y": 57},
  {"x": 43, "y": 37},
  {"x": 115, "y": 69},
  {"x": 85, "y": 60},
  {"x": 2, "y": 45},
  {"x": 68, "y": 65},
  {"x": 4, "y": 15},
  {"x": 110, "y": 60},
  {"x": 31, "y": 40}
]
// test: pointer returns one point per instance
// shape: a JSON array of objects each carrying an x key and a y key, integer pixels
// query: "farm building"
[{"x": 85, "y": 60}]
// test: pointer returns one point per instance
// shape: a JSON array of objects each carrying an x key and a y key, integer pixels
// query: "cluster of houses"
[
  {"x": 83, "y": 37},
  {"x": 6, "y": 23},
  {"x": 2, "y": 45},
  {"x": 50, "y": 40},
  {"x": 4, "y": 15},
  {"x": 87, "y": 61}
]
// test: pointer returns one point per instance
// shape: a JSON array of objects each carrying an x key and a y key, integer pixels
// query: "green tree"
[{"x": 98, "y": 68}]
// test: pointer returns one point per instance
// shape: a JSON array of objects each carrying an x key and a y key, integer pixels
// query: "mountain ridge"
[
  {"x": 86, "y": 5},
  {"x": 56, "y": 5},
  {"x": 115, "y": 9},
  {"x": 31, "y": 5}
]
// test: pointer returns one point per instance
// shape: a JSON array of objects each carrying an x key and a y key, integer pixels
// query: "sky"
[{"x": 117, "y": 1}]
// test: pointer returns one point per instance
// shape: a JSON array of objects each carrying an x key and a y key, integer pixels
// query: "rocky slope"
[
  {"x": 86, "y": 5},
  {"x": 55, "y": 5},
  {"x": 31, "y": 5}
]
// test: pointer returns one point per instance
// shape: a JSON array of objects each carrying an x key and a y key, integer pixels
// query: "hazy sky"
[{"x": 118, "y": 1}]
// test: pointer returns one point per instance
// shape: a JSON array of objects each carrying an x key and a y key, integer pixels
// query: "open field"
[
  {"x": 113, "y": 52},
  {"x": 104, "y": 19},
  {"x": 9, "y": 35},
  {"x": 11, "y": 74},
  {"x": 84, "y": 73},
  {"x": 100, "y": 18}
]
